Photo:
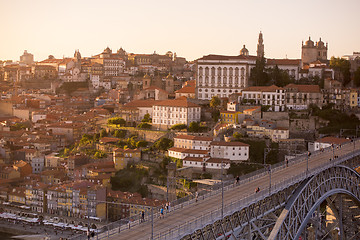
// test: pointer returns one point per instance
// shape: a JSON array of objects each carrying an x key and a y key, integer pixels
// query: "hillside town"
[{"x": 93, "y": 140}]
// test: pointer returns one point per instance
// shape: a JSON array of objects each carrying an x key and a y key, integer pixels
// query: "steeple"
[{"x": 260, "y": 46}]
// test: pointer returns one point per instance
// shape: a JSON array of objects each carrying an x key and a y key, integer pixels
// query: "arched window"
[
  {"x": 242, "y": 71},
  {"x": 219, "y": 71},
  {"x": 200, "y": 71},
  {"x": 206, "y": 71},
  {"x": 236, "y": 72},
  {"x": 212, "y": 71},
  {"x": 230, "y": 71}
]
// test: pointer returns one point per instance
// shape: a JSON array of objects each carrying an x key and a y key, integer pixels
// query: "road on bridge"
[{"x": 196, "y": 210}]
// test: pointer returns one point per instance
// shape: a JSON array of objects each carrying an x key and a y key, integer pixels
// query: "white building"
[
  {"x": 182, "y": 153},
  {"x": 206, "y": 163},
  {"x": 326, "y": 142},
  {"x": 222, "y": 76},
  {"x": 265, "y": 95},
  {"x": 192, "y": 142},
  {"x": 169, "y": 112},
  {"x": 234, "y": 151}
]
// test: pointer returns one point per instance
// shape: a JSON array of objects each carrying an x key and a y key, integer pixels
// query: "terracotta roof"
[
  {"x": 193, "y": 159},
  {"x": 186, "y": 89},
  {"x": 180, "y": 102},
  {"x": 304, "y": 88},
  {"x": 224, "y": 58},
  {"x": 218, "y": 160},
  {"x": 141, "y": 103},
  {"x": 229, "y": 144},
  {"x": 154, "y": 88},
  {"x": 271, "y": 88},
  {"x": 191, "y": 137},
  {"x": 333, "y": 140},
  {"x": 283, "y": 62},
  {"x": 108, "y": 140}
]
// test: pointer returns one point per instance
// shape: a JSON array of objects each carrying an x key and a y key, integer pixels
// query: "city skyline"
[{"x": 191, "y": 29}]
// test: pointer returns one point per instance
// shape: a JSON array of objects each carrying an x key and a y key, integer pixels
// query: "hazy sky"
[{"x": 189, "y": 28}]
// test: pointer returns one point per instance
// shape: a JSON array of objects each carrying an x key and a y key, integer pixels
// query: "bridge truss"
[{"x": 286, "y": 213}]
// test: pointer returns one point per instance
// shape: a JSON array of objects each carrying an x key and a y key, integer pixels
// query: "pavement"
[{"x": 195, "y": 211}]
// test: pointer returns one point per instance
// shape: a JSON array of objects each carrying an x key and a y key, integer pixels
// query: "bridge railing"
[
  {"x": 122, "y": 225},
  {"x": 210, "y": 217}
]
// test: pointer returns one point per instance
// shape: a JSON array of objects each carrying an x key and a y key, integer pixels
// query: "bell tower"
[{"x": 260, "y": 46}]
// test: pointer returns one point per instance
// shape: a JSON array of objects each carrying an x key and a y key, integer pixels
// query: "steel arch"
[{"x": 313, "y": 191}]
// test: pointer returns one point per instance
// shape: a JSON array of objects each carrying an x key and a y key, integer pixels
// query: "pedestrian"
[
  {"x": 161, "y": 212},
  {"x": 169, "y": 207},
  {"x": 237, "y": 180},
  {"x": 287, "y": 162},
  {"x": 143, "y": 216},
  {"x": 196, "y": 196},
  {"x": 92, "y": 234},
  {"x": 88, "y": 234}
]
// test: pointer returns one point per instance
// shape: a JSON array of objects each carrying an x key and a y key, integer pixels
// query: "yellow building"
[
  {"x": 121, "y": 157},
  {"x": 353, "y": 98},
  {"x": 17, "y": 195},
  {"x": 230, "y": 117}
]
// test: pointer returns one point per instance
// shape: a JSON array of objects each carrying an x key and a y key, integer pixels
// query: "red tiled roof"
[
  {"x": 141, "y": 103},
  {"x": 222, "y": 57},
  {"x": 304, "y": 88},
  {"x": 191, "y": 137},
  {"x": 193, "y": 159},
  {"x": 283, "y": 62},
  {"x": 333, "y": 140},
  {"x": 180, "y": 102},
  {"x": 218, "y": 160},
  {"x": 223, "y": 143},
  {"x": 271, "y": 88},
  {"x": 186, "y": 89}
]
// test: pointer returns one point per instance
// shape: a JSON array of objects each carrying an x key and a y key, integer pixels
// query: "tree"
[
  {"x": 146, "y": 118},
  {"x": 117, "y": 121},
  {"x": 194, "y": 127},
  {"x": 341, "y": 66},
  {"x": 357, "y": 77},
  {"x": 279, "y": 77},
  {"x": 144, "y": 125},
  {"x": 120, "y": 133},
  {"x": 103, "y": 133},
  {"x": 141, "y": 143},
  {"x": 215, "y": 102},
  {"x": 258, "y": 74},
  {"x": 163, "y": 144},
  {"x": 178, "y": 126}
]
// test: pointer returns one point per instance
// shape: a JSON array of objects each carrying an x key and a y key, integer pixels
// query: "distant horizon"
[{"x": 191, "y": 29}]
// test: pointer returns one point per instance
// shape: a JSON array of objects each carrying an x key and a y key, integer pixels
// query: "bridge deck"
[{"x": 196, "y": 210}]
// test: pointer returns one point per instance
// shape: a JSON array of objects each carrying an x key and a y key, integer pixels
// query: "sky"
[{"x": 191, "y": 28}]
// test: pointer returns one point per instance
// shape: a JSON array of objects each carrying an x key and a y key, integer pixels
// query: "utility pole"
[
  {"x": 222, "y": 192},
  {"x": 152, "y": 223}
]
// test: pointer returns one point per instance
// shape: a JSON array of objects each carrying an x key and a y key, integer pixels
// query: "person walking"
[
  {"x": 196, "y": 196},
  {"x": 161, "y": 212},
  {"x": 143, "y": 216},
  {"x": 237, "y": 179}
]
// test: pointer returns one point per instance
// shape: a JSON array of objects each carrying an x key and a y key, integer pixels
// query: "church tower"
[
  {"x": 146, "y": 81},
  {"x": 169, "y": 84},
  {"x": 260, "y": 46}
]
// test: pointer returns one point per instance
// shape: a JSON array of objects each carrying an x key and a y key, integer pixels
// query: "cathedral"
[{"x": 312, "y": 52}]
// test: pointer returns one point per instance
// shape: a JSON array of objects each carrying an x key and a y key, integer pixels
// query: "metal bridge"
[{"x": 289, "y": 208}]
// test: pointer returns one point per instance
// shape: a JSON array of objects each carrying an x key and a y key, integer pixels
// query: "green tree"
[
  {"x": 103, "y": 133},
  {"x": 258, "y": 74},
  {"x": 117, "y": 121},
  {"x": 215, "y": 102},
  {"x": 279, "y": 77},
  {"x": 119, "y": 133},
  {"x": 141, "y": 143},
  {"x": 343, "y": 67},
  {"x": 146, "y": 118},
  {"x": 194, "y": 127},
  {"x": 178, "y": 126},
  {"x": 144, "y": 125},
  {"x": 164, "y": 144},
  {"x": 357, "y": 77}
]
